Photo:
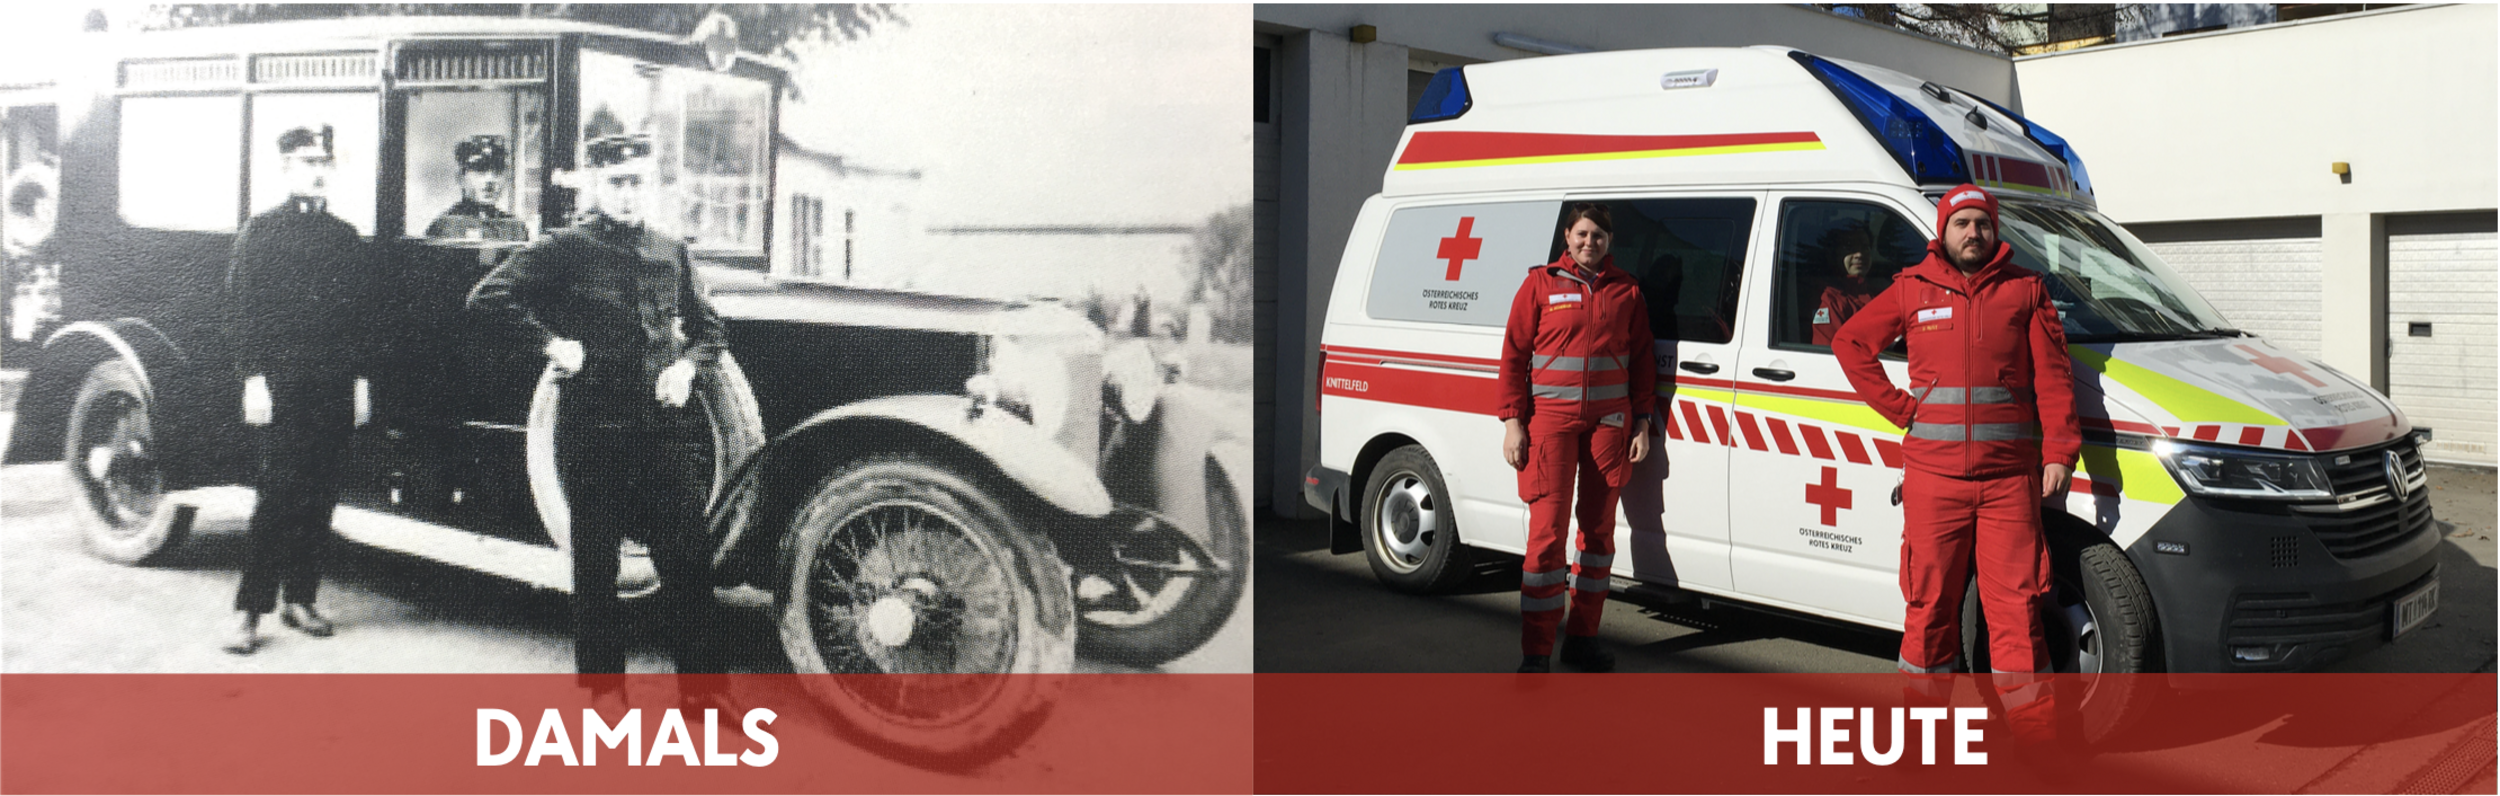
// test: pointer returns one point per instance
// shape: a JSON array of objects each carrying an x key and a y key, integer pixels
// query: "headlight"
[
  {"x": 1028, "y": 381},
  {"x": 2226, "y": 472}
]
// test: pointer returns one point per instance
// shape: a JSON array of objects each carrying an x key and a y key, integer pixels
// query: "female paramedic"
[{"x": 1577, "y": 385}]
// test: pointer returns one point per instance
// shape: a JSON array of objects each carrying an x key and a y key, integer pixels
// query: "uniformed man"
[
  {"x": 299, "y": 295},
  {"x": 479, "y": 215},
  {"x": 626, "y": 326}
]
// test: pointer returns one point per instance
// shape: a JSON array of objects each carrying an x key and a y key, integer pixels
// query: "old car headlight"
[
  {"x": 1025, "y": 380},
  {"x": 2223, "y": 472}
]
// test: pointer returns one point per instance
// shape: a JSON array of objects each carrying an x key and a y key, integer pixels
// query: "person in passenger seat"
[{"x": 1853, "y": 280}]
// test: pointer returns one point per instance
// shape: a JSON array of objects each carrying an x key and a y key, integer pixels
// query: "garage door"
[
  {"x": 2442, "y": 299},
  {"x": 2262, "y": 274}
]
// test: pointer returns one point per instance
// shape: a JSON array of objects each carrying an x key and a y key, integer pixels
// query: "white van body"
[{"x": 1716, "y": 162}]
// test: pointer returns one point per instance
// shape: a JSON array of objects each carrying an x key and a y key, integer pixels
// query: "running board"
[{"x": 537, "y": 565}]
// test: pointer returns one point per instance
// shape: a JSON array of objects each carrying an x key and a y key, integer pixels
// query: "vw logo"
[{"x": 2395, "y": 476}]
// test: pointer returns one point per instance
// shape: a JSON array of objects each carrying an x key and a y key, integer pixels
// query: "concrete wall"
[
  {"x": 2245, "y": 123},
  {"x": 1342, "y": 105}
]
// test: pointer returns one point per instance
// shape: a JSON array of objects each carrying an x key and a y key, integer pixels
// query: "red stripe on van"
[
  {"x": 1692, "y": 423},
  {"x": 1889, "y": 451},
  {"x": 1808, "y": 392},
  {"x": 2208, "y": 432},
  {"x": 1753, "y": 433},
  {"x": 1675, "y": 431},
  {"x": 1443, "y": 147},
  {"x": 1779, "y": 436},
  {"x": 2253, "y": 435},
  {"x": 1849, "y": 447},
  {"x": 1718, "y": 423},
  {"x": 1450, "y": 391},
  {"x": 1411, "y": 356},
  {"x": 1814, "y": 441},
  {"x": 2023, "y": 172}
]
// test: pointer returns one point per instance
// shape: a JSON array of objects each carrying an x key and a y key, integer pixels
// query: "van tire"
[
  {"x": 1410, "y": 532},
  {"x": 2123, "y": 635}
]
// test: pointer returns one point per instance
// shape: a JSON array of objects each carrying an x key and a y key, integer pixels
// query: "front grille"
[
  {"x": 2283, "y": 552},
  {"x": 2382, "y": 527}
]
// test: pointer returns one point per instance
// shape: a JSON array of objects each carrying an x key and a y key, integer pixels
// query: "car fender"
[
  {"x": 1019, "y": 451},
  {"x": 42, "y": 411}
]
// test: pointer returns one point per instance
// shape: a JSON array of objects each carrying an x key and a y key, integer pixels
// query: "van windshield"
[{"x": 2108, "y": 287}]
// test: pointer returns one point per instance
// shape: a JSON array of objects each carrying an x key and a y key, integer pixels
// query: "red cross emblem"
[
  {"x": 2281, "y": 365},
  {"x": 1829, "y": 495},
  {"x": 1460, "y": 248}
]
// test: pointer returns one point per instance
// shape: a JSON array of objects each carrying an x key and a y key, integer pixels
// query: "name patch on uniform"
[
  {"x": 1935, "y": 314},
  {"x": 1559, "y": 298}
]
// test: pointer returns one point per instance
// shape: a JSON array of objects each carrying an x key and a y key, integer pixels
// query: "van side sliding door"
[{"x": 1814, "y": 527}]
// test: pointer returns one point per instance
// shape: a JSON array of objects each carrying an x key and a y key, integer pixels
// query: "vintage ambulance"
[{"x": 2238, "y": 507}]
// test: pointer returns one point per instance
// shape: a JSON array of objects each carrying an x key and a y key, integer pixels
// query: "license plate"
[{"x": 2411, "y": 610}]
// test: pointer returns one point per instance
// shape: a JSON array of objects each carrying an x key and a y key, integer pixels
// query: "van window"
[
  {"x": 1689, "y": 255},
  {"x": 492, "y": 195},
  {"x": 180, "y": 168},
  {"x": 354, "y": 120},
  {"x": 1834, "y": 255},
  {"x": 1458, "y": 263}
]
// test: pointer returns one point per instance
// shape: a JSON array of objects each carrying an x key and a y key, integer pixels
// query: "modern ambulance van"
[{"x": 2238, "y": 507}]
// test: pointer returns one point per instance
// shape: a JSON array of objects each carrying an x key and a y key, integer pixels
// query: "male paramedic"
[
  {"x": 1577, "y": 384},
  {"x": 1991, "y": 420}
]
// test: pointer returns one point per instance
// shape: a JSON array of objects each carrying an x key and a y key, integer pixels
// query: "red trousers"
[
  {"x": 1565, "y": 451},
  {"x": 1949, "y": 524}
]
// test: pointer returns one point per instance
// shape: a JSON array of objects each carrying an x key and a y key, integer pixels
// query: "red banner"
[
  {"x": 1743, "y": 733},
  {"x": 1097, "y": 733}
]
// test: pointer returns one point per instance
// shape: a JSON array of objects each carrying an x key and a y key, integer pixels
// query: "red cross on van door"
[
  {"x": 2281, "y": 365},
  {"x": 1829, "y": 496},
  {"x": 1461, "y": 247}
]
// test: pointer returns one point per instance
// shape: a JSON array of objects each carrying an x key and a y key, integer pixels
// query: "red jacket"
[
  {"x": 1840, "y": 303},
  {"x": 1576, "y": 345},
  {"x": 1991, "y": 386}
]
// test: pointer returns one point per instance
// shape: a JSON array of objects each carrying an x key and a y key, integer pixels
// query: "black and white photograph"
[{"x": 609, "y": 339}]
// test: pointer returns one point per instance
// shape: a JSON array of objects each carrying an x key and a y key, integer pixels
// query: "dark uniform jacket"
[
  {"x": 474, "y": 220},
  {"x": 301, "y": 292},
  {"x": 628, "y": 295}
]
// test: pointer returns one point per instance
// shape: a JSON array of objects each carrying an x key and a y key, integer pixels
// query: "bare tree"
[{"x": 2002, "y": 28}]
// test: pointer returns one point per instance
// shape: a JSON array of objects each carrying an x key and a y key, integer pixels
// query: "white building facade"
[{"x": 2221, "y": 150}]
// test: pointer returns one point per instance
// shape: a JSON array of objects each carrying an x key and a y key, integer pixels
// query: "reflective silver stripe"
[
  {"x": 1543, "y": 362},
  {"x": 1554, "y": 603},
  {"x": 1614, "y": 419},
  {"x": 1589, "y": 585},
  {"x": 1542, "y": 578},
  {"x": 1598, "y": 393},
  {"x": 1952, "y": 396},
  {"x": 1911, "y": 668},
  {"x": 1588, "y": 560},
  {"x": 1979, "y": 432}
]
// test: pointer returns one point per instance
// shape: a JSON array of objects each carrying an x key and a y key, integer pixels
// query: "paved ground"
[{"x": 1322, "y": 612}]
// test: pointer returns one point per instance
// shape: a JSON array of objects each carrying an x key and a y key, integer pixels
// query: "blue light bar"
[
  {"x": 2049, "y": 141},
  {"x": 1922, "y": 148},
  {"x": 1446, "y": 98}
]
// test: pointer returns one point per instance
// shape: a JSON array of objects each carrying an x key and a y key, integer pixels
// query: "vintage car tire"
[
  {"x": 736, "y": 426},
  {"x": 109, "y": 446},
  {"x": 2103, "y": 624},
  {"x": 1197, "y": 612},
  {"x": 887, "y": 544},
  {"x": 1405, "y": 489}
]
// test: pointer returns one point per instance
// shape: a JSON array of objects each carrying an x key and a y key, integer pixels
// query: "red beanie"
[{"x": 1962, "y": 196}]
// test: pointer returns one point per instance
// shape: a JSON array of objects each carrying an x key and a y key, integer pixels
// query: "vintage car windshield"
[
  {"x": 710, "y": 135},
  {"x": 2106, "y": 284}
]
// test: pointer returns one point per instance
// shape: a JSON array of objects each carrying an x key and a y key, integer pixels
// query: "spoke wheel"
[
  {"x": 112, "y": 454},
  {"x": 906, "y": 571}
]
